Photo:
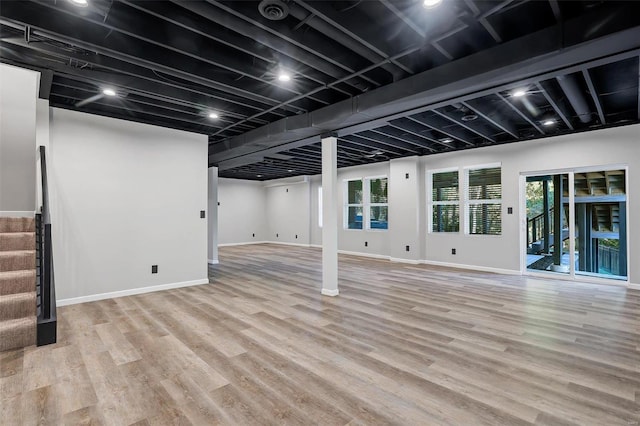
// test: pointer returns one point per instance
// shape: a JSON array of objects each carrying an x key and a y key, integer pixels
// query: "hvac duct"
[{"x": 571, "y": 89}]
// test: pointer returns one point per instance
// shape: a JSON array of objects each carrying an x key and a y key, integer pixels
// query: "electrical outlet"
[
  {"x": 202, "y": 214},
  {"x": 406, "y": 175},
  {"x": 453, "y": 251},
  {"x": 154, "y": 269},
  {"x": 509, "y": 210},
  {"x": 287, "y": 189},
  {"x": 253, "y": 235},
  {"x": 218, "y": 202},
  {"x": 366, "y": 244},
  {"x": 406, "y": 248},
  {"x": 296, "y": 236},
  {"x": 277, "y": 236}
]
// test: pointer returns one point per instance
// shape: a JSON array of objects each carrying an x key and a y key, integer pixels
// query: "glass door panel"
[
  {"x": 600, "y": 223},
  {"x": 547, "y": 206}
]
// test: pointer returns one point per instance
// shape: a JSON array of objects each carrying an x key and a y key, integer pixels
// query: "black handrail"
[{"x": 47, "y": 304}]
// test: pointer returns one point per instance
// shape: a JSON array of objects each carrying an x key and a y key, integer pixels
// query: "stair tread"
[
  {"x": 17, "y": 224},
  {"x": 17, "y": 322},
  {"x": 17, "y": 274},
  {"x": 5, "y": 298}
]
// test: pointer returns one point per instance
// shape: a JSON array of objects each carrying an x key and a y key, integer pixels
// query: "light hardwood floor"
[{"x": 402, "y": 344}]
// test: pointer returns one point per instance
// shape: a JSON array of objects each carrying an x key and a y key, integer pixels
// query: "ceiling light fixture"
[
  {"x": 213, "y": 115},
  {"x": 549, "y": 122},
  {"x": 284, "y": 77},
  {"x": 518, "y": 93},
  {"x": 258, "y": 175},
  {"x": 429, "y": 4},
  {"x": 109, "y": 92},
  {"x": 80, "y": 3},
  {"x": 291, "y": 170},
  {"x": 446, "y": 140}
]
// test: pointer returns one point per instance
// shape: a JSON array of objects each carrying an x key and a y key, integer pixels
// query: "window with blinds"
[
  {"x": 445, "y": 201},
  {"x": 483, "y": 197}
]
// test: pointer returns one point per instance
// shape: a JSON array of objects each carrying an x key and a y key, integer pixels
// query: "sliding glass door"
[{"x": 576, "y": 223}]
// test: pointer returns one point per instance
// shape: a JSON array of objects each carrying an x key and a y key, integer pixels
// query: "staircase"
[{"x": 18, "y": 315}]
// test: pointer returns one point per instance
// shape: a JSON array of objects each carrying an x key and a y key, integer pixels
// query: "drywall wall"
[
  {"x": 18, "y": 95},
  {"x": 404, "y": 222},
  {"x": 126, "y": 196},
  {"x": 287, "y": 211},
  {"x": 616, "y": 146},
  {"x": 242, "y": 211},
  {"x": 212, "y": 216}
]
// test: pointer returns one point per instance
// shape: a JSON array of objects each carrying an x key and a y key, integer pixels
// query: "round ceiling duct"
[
  {"x": 273, "y": 10},
  {"x": 469, "y": 116}
]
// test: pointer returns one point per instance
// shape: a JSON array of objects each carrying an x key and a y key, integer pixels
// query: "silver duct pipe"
[{"x": 576, "y": 98}]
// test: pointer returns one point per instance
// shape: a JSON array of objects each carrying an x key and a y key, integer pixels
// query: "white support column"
[
  {"x": 329, "y": 216},
  {"x": 212, "y": 220}
]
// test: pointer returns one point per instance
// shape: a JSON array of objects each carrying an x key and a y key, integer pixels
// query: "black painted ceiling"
[{"x": 172, "y": 63}]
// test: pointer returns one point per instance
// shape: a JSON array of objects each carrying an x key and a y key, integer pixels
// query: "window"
[
  {"x": 483, "y": 206},
  {"x": 355, "y": 204},
  {"x": 378, "y": 204},
  {"x": 445, "y": 201},
  {"x": 366, "y": 204}
]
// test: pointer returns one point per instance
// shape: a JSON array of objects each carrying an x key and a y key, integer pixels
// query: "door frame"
[{"x": 571, "y": 276}]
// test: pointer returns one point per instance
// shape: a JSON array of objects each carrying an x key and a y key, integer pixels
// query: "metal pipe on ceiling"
[{"x": 571, "y": 89}]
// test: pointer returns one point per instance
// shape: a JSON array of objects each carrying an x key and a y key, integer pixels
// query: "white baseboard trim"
[
  {"x": 472, "y": 267},
  {"x": 17, "y": 213},
  {"x": 360, "y": 254},
  {"x": 287, "y": 244},
  {"x": 130, "y": 292},
  {"x": 328, "y": 292},
  {"x": 408, "y": 261},
  {"x": 315, "y": 246},
  {"x": 633, "y": 286},
  {"x": 213, "y": 261},
  {"x": 242, "y": 244}
]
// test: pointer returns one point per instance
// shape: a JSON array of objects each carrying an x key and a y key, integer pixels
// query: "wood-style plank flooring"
[{"x": 402, "y": 344}]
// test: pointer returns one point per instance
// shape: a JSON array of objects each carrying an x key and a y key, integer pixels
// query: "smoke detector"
[{"x": 273, "y": 10}]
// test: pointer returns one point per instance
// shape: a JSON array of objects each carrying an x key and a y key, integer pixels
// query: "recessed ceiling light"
[
  {"x": 258, "y": 175},
  {"x": 213, "y": 115},
  {"x": 549, "y": 122},
  {"x": 431, "y": 3},
  {"x": 284, "y": 77},
  {"x": 518, "y": 93},
  {"x": 81, "y": 3},
  {"x": 291, "y": 170},
  {"x": 446, "y": 140},
  {"x": 109, "y": 92}
]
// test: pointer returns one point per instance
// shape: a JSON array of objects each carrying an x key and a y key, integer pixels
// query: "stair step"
[
  {"x": 12, "y": 282},
  {"x": 17, "y": 241},
  {"x": 17, "y": 260},
  {"x": 17, "y": 333},
  {"x": 17, "y": 224},
  {"x": 19, "y": 305}
]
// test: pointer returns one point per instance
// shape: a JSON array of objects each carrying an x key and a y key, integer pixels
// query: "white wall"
[
  {"x": 125, "y": 196},
  {"x": 242, "y": 211},
  {"x": 616, "y": 146},
  {"x": 18, "y": 95},
  {"x": 287, "y": 211},
  {"x": 212, "y": 216}
]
